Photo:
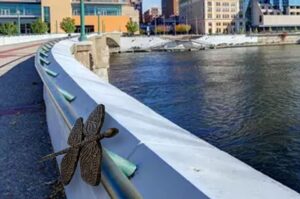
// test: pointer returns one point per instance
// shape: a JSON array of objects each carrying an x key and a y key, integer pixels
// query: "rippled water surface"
[{"x": 245, "y": 101}]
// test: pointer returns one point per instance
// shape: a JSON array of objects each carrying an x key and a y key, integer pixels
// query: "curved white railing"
[{"x": 172, "y": 163}]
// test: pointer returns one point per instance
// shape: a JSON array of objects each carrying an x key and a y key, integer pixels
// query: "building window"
[
  {"x": 226, "y": 16},
  {"x": 209, "y": 3},
  {"x": 25, "y": 9},
  {"x": 209, "y": 16},
  {"x": 218, "y": 4},
  {"x": 94, "y": 10},
  {"x": 47, "y": 14}
]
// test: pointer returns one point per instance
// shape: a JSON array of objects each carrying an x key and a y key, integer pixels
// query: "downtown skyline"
[{"x": 151, "y": 3}]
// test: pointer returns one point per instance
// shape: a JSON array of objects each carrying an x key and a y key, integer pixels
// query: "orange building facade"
[{"x": 103, "y": 15}]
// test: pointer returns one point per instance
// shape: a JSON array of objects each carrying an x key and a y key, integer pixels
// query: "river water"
[{"x": 245, "y": 101}]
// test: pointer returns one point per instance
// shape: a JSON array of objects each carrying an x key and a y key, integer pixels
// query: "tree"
[
  {"x": 132, "y": 27},
  {"x": 39, "y": 27},
  {"x": 242, "y": 31},
  {"x": 8, "y": 29},
  {"x": 161, "y": 29},
  {"x": 68, "y": 25},
  {"x": 182, "y": 28}
]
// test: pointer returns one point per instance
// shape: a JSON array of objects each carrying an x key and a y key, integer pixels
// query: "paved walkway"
[{"x": 24, "y": 137}]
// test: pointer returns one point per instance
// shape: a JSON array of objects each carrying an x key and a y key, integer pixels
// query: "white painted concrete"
[
  {"x": 8, "y": 40},
  {"x": 145, "y": 43},
  {"x": 129, "y": 43},
  {"x": 227, "y": 39},
  {"x": 164, "y": 151}
]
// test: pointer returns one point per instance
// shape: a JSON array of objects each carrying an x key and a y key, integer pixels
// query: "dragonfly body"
[{"x": 109, "y": 133}]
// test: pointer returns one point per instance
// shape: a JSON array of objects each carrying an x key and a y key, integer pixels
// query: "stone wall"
[
  {"x": 94, "y": 54},
  {"x": 280, "y": 38}
]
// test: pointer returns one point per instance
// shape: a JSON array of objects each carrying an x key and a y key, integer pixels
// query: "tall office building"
[
  {"x": 138, "y": 5},
  {"x": 113, "y": 14},
  {"x": 212, "y": 16},
  {"x": 276, "y": 15},
  {"x": 170, "y": 8},
  {"x": 151, "y": 14}
]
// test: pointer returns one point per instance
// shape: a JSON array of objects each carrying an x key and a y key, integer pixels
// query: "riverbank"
[{"x": 194, "y": 43}]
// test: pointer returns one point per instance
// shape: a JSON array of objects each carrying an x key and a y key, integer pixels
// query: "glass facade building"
[
  {"x": 25, "y": 9},
  {"x": 115, "y": 14},
  {"x": 95, "y": 9}
]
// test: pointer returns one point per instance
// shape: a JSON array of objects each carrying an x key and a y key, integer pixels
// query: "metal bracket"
[
  {"x": 50, "y": 72},
  {"x": 69, "y": 97},
  {"x": 43, "y": 60}
]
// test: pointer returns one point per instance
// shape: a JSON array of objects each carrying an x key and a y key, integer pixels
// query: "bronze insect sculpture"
[{"x": 84, "y": 141}]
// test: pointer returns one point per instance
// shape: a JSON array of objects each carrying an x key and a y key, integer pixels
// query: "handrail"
[{"x": 116, "y": 184}]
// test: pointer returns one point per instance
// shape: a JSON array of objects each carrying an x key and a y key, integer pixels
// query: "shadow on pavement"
[{"x": 24, "y": 137}]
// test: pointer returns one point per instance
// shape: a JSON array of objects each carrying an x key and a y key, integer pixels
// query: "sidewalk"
[{"x": 24, "y": 135}]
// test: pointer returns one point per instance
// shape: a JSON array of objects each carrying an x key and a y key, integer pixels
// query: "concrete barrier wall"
[
  {"x": 8, "y": 40},
  {"x": 172, "y": 163},
  {"x": 279, "y": 38}
]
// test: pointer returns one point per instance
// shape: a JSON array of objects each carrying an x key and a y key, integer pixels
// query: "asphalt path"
[{"x": 24, "y": 137}]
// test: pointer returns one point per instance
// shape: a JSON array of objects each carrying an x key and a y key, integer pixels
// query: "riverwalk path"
[{"x": 24, "y": 137}]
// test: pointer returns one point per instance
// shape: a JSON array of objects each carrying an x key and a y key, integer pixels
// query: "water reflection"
[{"x": 245, "y": 101}]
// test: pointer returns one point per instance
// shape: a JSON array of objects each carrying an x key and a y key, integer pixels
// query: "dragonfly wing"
[
  {"x": 95, "y": 121},
  {"x": 76, "y": 134},
  {"x": 90, "y": 163},
  {"x": 68, "y": 165}
]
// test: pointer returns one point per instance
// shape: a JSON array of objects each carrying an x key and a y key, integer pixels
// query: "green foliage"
[
  {"x": 182, "y": 28},
  {"x": 39, "y": 27},
  {"x": 142, "y": 32},
  {"x": 68, "y": 25},
  {"x": 8, "y": 29},
  {"x": 132, "y": 27},
  {"x": 242, "y": 31}
]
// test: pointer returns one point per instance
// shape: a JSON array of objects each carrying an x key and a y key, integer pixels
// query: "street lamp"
[
  {"x": 82, "y": 22},
  {"x": 19, "y": 22},
  {"x": 164, "y": 24},
  {"x": 155, "y": 29},
  {"x": 98, "y": 13}
]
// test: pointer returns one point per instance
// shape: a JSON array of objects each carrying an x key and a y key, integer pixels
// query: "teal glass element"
[
  {"x": 68, "y": 96},
  {"x": 95, "y": 9},
  {"x": 25, "y": 9},
  {"x": 128, "y": 168},
  {"x": 47, "y": 14}
]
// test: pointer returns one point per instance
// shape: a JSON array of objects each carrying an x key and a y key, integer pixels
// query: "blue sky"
[{"x": 150, "y": 3}]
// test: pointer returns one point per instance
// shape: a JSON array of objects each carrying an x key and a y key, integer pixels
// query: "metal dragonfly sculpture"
[{"x": 84, "y": 141}]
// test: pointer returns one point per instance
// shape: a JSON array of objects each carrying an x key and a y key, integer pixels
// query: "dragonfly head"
[{"x": 110, "y": 133}]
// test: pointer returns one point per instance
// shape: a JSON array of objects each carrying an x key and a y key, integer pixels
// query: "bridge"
[{"x": 44, "y": 89}]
